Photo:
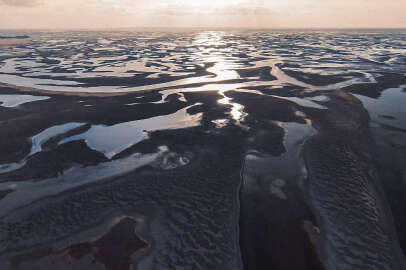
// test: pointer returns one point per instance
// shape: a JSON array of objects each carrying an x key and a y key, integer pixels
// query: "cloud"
[
  {"x": 201, "y": 13},
  {"x": 27, "y": 3},
  {"x": 230, "y": 10}
]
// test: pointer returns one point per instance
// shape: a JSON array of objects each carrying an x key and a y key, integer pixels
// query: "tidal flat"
[{"x": 190, "y": 149}]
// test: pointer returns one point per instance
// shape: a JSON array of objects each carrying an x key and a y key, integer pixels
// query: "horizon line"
[{"x": 198, "y": 28}]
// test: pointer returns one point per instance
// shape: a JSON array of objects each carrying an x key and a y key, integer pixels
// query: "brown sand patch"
[{"x": 112, "y": 251}]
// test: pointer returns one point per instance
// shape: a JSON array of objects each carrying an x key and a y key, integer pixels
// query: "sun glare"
[{"x": 211, "y": 4}]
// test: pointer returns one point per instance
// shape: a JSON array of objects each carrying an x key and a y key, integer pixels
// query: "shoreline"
[{"x": 36, "y": 91}]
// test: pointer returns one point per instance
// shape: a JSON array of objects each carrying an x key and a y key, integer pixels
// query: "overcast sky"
[{"x": 29, "y": 14}]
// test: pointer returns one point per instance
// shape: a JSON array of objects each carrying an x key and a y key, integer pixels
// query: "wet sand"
[
  {"x": 207, "y": 170},
  {"x": 112, "y": 251}
]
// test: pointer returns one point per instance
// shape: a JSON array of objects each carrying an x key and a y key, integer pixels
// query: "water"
[
  {"x": 16, "y": 100},
  {"x": 208, "y": 141}
]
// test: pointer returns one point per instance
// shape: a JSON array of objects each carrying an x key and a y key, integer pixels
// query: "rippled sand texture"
[
  {"x": 127, "y": 61},
  {"x": 203, "y": 150}
]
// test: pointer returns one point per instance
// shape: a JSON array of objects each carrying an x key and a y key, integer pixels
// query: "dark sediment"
[
  {"x": 345, "y": 193},
  {"x": 229, "y": 191},
  {"x": 114, "y": 250}
]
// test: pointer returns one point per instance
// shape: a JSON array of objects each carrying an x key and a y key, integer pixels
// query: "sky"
[{"x": 87, "y": 14}]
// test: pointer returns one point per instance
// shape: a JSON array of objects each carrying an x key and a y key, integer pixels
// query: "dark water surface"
[{"x": 203, "y": 150}]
